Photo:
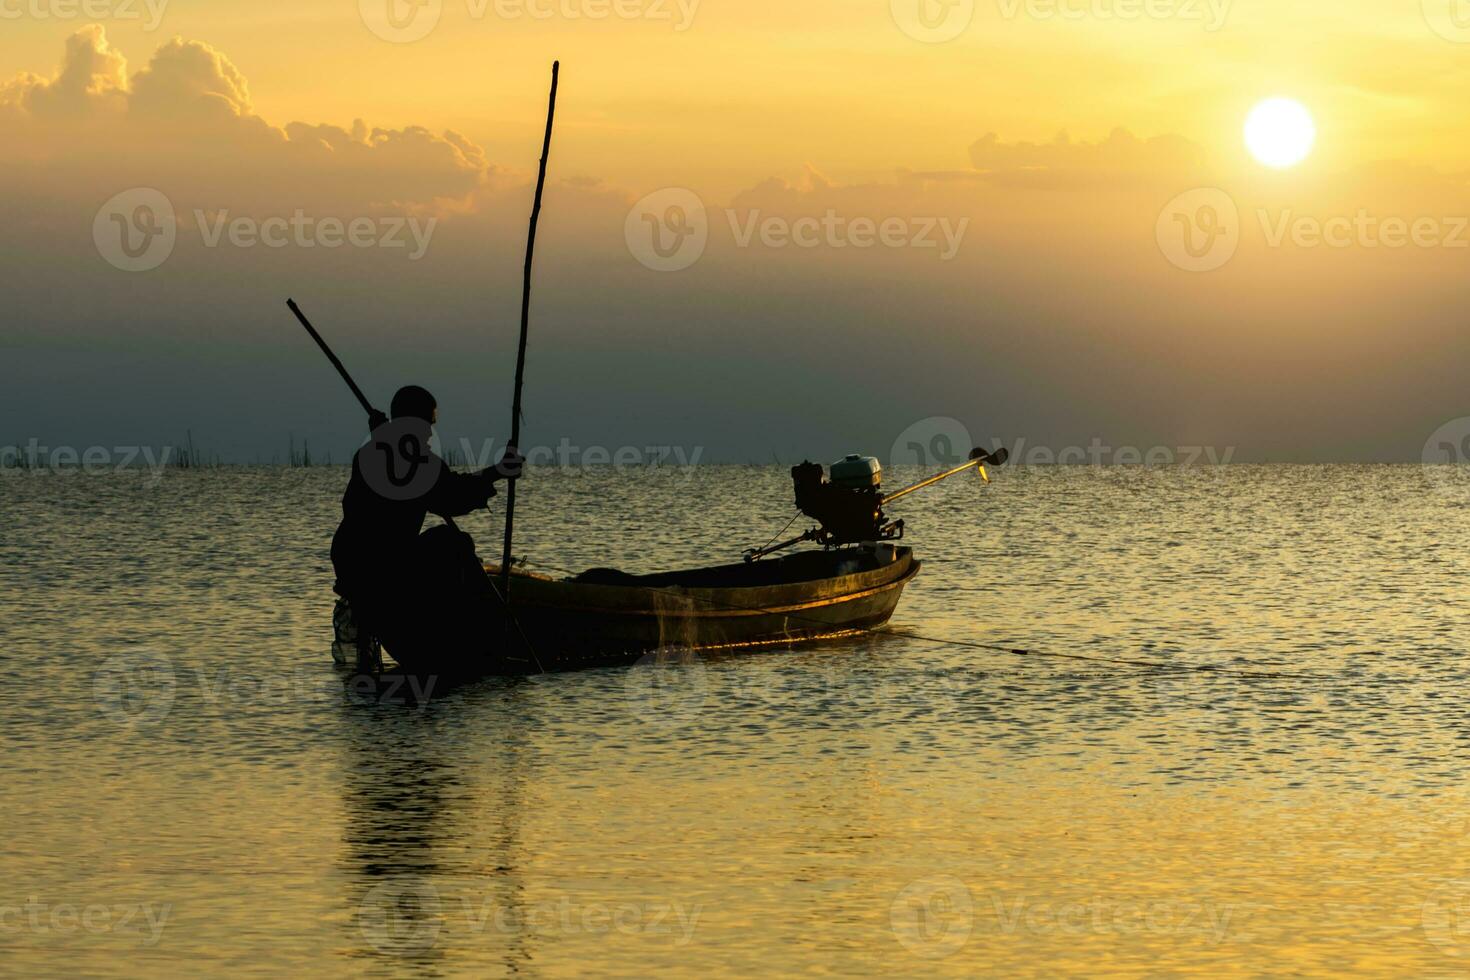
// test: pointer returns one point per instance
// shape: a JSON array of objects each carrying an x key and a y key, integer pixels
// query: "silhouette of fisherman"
[{"x": 386, "y": 569}]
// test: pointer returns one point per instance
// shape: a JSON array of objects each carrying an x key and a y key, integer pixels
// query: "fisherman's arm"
[{"x": 457, "y": 494}]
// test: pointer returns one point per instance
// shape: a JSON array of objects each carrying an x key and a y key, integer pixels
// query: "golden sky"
[
  {"x": 1058, "y": 142},
  {"x": 728, "y": 90}
]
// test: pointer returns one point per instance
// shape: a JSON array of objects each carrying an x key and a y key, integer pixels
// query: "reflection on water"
[
  {"x": 404, "y": 789},
  {"x": 189, "y": 783}
]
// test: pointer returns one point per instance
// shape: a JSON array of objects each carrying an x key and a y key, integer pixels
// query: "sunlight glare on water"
[{"x": 180, "y": 745}]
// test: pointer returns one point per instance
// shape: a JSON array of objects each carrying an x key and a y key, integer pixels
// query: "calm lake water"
[{"x": 190, "y": 785}]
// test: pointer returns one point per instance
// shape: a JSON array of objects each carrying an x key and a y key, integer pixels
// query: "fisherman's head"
[{"x": 413, "y": 402}]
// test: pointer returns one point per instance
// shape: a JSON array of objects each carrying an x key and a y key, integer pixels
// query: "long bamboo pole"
[{"x": 515, "y": 411}]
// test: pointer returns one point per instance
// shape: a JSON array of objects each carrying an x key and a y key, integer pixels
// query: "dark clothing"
[{"x": 375, "y": 551}]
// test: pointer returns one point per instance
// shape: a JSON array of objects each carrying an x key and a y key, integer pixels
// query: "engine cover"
[{"x": 857, "y": 472}]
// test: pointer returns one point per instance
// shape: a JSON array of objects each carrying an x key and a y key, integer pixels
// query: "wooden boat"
[
  {"x": 604, "y": 617},
  {"x": 608, "y": 618}
]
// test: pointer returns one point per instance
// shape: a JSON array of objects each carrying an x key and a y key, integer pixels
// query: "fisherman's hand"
[
  {"x": 376, "y": 420},
  {"x": 509, "y": 468},
  {"x": 510, "y": 465}
]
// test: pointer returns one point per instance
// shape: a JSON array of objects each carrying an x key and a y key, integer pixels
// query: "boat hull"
[{"x": 605, "y": 618}]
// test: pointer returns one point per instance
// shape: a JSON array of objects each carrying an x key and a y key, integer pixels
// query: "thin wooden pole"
[
  {"x": 515, "y": 410},
  {"x": 361, "y": 398}
]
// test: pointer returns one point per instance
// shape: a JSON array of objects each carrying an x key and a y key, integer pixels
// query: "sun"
[{"x": 1280, "y": 132}]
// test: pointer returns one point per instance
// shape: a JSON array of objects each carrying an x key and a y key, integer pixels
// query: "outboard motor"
[{"x": 849, "y": 507}]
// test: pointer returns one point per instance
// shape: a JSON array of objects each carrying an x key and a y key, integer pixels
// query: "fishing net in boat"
[{"x": 676, "y": 623}]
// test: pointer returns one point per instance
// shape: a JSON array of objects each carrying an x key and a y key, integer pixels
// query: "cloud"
[
  {"x": 185, "y": 124},
  {"x": 1120, "y": 163},
  {"x": 191, "y": 83},
  {"x": 1060, "y": 277},
  {"x": 92, "y": 79},
  {"x": 907, "y": 192},
  {"x": 1120, "y": 159}
]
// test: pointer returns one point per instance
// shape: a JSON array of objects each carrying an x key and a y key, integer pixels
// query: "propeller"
[{"x": 997, "y": 458}]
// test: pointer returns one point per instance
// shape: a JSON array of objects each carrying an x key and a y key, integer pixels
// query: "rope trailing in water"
[
  {"x": 1150, "y": 664},
  {"x": 1162, "y": 665}
]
